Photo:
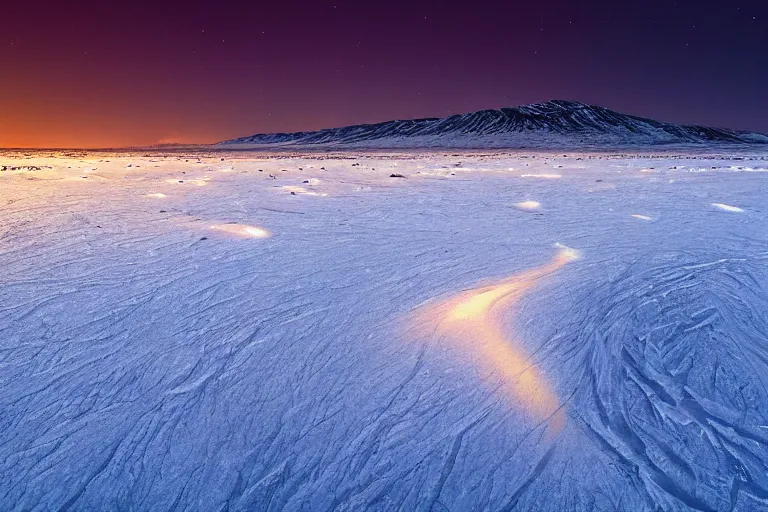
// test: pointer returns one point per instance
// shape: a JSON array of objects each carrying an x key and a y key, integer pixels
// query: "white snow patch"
[
  {"x": 747, "y": 169},
  {"x": 542, "y": 176},
  {"x": 528, "y": 205},
  {"x": 727, "y": 207}
]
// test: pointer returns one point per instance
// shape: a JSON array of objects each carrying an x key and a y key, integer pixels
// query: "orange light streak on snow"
[{"x": 472, "y": 321}]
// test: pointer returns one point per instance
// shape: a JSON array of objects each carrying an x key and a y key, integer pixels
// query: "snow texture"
[{"x": 496, "y": 331}]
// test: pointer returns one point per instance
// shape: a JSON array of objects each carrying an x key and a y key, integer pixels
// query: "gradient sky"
[{"x": 106, "y": 74}]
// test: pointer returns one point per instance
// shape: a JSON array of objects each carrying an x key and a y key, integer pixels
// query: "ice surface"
[{"x": 303, "y": 332}]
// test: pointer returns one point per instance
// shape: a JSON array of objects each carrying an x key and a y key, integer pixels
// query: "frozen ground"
[{"x": 304, "y": 332}]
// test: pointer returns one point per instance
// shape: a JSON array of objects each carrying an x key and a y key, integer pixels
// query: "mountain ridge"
[{"x": 551, "y": 123}]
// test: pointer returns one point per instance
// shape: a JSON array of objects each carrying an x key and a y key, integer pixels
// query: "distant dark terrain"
[{"x": 554, "y": 123}]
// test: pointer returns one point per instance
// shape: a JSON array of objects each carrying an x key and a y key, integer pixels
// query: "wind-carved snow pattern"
[
  {"x": 179, "y": 332},
  {"x": 674, "y": 366}
]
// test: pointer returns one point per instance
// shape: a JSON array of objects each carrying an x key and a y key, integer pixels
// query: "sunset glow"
[{"x": 118, "y": 75}]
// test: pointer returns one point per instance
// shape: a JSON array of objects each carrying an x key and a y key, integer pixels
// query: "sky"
[{"x": 111, "y": 74}]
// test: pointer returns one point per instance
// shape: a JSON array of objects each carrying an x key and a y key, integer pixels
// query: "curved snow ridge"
[
  {"x": 472, "y": 321},
  {"x": 556, "y": 121}
]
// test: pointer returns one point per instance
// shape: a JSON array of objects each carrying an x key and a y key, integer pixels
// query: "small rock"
[
  {"x": 396, "y": 176},
  {"x": 204, "y": 238},
  {"x": 293, "y": 193}
]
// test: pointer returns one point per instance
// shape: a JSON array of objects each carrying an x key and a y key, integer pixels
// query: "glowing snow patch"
[
  {"x": 647, "y": 170},
  {"x": 528, "y": 205},
  {"x": 641, "y": 217},
  {"x": 542, "y": 176},
  {"x": 727, "y": 207},
  {"x": 566, "y": 254},
  {"x": 472, "y": 321},
  {"x": 157, "y": 195},
  {"x": 241, "y": 230}
]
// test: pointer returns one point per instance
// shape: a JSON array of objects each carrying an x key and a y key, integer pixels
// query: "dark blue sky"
[{"x": 120, "y": 73}]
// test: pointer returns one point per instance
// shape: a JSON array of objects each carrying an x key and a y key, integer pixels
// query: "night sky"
[{"x": 101, "y": 74}]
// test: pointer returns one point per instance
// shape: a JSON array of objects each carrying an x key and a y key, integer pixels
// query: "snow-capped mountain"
[{"x": 557, "y": 122}]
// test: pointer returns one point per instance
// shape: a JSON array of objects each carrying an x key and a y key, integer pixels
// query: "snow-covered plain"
[{"x": 495, "y": 331}]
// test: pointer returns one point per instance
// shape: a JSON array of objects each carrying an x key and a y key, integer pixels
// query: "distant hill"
[{"x": 554, "y": 123}]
